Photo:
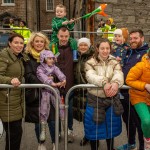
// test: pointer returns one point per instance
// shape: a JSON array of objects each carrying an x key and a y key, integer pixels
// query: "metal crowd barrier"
[
  {"x": 5, "y": 32},
  {"x": 79, "y": 34},
  {"x": 83, "y": 86},
  {"x": 57, "y": 104}
]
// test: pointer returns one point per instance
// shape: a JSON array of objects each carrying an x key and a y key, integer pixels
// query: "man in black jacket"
[{"x": 137, "y": 49}]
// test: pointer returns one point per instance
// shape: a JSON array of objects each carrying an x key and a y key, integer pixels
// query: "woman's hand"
[
  {"x": 107, "y": 87},
  {"x": 147, "y": 87},
  {"x": 15, "y": 82},
  {"x": 112, "y": 91}
]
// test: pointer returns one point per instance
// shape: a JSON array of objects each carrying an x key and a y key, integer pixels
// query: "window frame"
[
  {"x": 7, "y": 4},
  {"x": 47, "y": 5}
]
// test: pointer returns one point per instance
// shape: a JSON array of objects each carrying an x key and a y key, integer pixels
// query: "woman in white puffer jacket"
[{"x": 104, "y": 109}]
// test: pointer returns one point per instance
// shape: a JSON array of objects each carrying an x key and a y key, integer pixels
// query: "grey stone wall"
[{"x": 128, "y": 13}]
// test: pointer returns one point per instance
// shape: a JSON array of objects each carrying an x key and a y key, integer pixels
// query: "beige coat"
[{"x": 98, "y": 73}]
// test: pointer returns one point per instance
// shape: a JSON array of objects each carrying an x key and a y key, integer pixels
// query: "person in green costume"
[{"x": 59, "y": 21}]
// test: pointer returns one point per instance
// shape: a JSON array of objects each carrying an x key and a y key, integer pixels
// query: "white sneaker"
[
  {"x": 43, "y": 131},
  {"x": 70, "y": 136},
  {"x": 41, "y": 147},
  {"x": 53, "y": 146}
]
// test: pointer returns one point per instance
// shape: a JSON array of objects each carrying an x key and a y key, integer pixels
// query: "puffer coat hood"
[{"x": 45, "y": 54}]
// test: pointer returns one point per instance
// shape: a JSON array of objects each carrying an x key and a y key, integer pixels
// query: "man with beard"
[
  {"x": 137, "y": 49},
  {"x": 64, "y": 50}
]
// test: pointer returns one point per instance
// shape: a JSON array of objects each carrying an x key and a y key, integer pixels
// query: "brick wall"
[
  {"x": 30, "y": 14},
  {"x": 17, "y": 10},
  {"x": 46, "y": 17},
  {"x": 128, "y": 13}
]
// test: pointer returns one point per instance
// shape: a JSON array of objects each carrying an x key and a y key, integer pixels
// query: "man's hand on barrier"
[{"x": 15, "y": 82}]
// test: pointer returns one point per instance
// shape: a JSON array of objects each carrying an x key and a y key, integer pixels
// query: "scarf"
[{"x": 35, "y": 54}]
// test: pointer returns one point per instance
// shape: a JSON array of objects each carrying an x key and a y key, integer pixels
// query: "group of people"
[
  {"x": 20, "y": 29},
  {"x": 107, "y": 65}
]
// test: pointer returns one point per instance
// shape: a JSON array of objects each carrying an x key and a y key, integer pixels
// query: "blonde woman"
[{"x": 36, "y": 44}]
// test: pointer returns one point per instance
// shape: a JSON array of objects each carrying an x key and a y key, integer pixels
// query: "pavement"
[{"x": 29, "y": 141}]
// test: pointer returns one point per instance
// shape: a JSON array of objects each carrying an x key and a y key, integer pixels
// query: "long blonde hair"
[{"x": 29, "y": 45}]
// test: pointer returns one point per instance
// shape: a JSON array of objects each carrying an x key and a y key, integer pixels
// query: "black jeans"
[
  {"x": 132, "y": 121},
  {"x": 95, "y": 144},
  {"x": 13, "y": 134}
]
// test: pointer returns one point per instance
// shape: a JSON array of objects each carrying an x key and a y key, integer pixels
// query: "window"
[
  {"x": 8, "y": 3},
  {"x": 49, "y": 5}
]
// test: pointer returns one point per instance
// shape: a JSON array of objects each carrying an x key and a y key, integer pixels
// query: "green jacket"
[
  {"x": 57, "y": 24},
  {"x": 11, "y": 106}
]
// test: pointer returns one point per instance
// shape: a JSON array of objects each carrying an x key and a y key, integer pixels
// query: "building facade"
[{"x": 37, "y": 13}]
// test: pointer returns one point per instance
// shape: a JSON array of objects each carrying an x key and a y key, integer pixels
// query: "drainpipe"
[
  {"x": 91, "y": 7},
  {"x": 38, "y": 14},
  {"x": 27, "y": 12},
  {"x": 69, "y": 9}
]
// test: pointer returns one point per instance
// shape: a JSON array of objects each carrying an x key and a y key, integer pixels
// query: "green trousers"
[{"x": 144, "y": 113}]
